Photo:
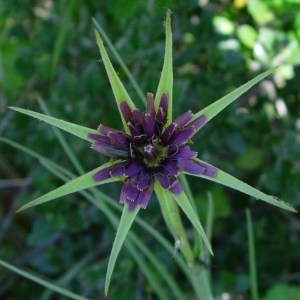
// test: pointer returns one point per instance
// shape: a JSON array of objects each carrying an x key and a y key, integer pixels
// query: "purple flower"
[{"x": 151, "y": 150}]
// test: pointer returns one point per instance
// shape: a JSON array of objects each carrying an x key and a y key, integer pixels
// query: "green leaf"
[
  {"x": 247, "y": 35},
  {"x": 232, "y": 182},
  {"x": 252, "y": 259},
  {"x": 172, "y": 218},
  {"x": 216, "y": 107},
  {"x": 281, "y": 291},
  {"x": 119, "y": 90},
  {"x": 120, "y": 61},
  {"x": 83, "y": 182},
  {"x": 126, "y": 221},
  {"x": 166, "y": 80},
  {"x": 187, "y": 208},
  {"x": 72, "y": 128},
  {"x": 42, "y": 282}
]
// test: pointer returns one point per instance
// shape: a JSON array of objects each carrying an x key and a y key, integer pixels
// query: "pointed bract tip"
[
  {"x": 23, "y": 207},
  {"x": 169, "y": 13}
]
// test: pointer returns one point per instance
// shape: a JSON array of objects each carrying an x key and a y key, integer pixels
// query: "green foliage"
[
  {"x": 48, "y": 49},
  {"x": 283, "y": 291}
]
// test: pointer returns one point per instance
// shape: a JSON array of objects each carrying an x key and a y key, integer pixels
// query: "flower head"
[{"x": 152, "y": 150}]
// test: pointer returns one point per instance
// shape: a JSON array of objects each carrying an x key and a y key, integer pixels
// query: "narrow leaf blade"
[
  {"x": 120, "y": 61},
  {"x": 77, "y": 130},
  {"x": 252, "y": 257},
  {"x": 126, "y": 221},
  {"x": 234, "y": 183},
  {"x": 119, "y": 90},
  {"x": 166, "y": 79},
  {"x": 216, "y": 107},
  {"x": 42, "y": 282},
  {"x": 80, "y": 183},
  {"x": 187, "y": 208}
]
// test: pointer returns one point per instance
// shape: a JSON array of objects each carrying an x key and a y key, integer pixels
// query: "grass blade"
[{"x": 252, "y": 259}]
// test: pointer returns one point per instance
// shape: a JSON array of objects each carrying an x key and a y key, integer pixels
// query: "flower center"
[{"x": 152, "y": 153}]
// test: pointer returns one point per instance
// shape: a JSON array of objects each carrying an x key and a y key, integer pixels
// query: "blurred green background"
[{"x": 48, "y": 50}]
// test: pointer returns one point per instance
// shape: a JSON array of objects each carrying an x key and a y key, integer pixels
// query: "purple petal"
[
  {"x": 138, "y": 117},
  {"x": 149, "y": 126},
  {"x": 118, "y": 169},
  {"x": 99, "y": 138},
  {"x": 106, "y": 130},
  {"x": 199, "y": 122},
  {"x": 123, "y": 194},
  {"x": 102, "y": 149},
  {"x": 160, "y": 117},
  {"x": 129, "y": 192},
  {"x": 184, "y": 153},
  {"x": 119, "y": 138},
  {"x": 163, "y": 179},
  {"x": 102, "y": 174},
  {"x": 171, "y": 167},
  {"x": 132, "y": 168},
  {"x": 172, "y": 150},
  {"x": 164, "y": 103},
  {"x": 132, "y": 205},
  {"x": 111, "y": 151},
  {"x": 191, "y": 166},
  {"x": 183, "y": 119},
  {"x": 133, "y": 129},
  {"x": 145, "y": 195},
  {"x": 169, "y": 131},
  {"x": 182, "y": 136},
  {"x": 150, "y": 106},
  {"x": 210, "y": 170},
  {"x": 159, "y": 123},
  {"x": 126, "y": 111},
  {"x": 143, "y": 182},
  {"x": 132, "y": 192},
  {"x": 176, "y": 187}
]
